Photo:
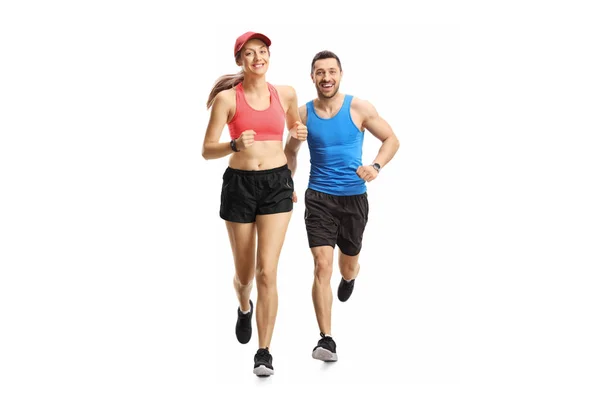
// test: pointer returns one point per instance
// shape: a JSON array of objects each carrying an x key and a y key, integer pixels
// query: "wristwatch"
[
  {"x": 376, "y": 166},
  {"x": 233, "y": 146}
]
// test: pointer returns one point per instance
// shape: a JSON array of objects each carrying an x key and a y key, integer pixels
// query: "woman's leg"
[
  {"x": 271, "y": 229},
  {"x": 242, "y": 238}
]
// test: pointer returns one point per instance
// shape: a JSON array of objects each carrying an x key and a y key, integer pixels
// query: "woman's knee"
[
  {"x": 244, "y": 279},
  {"x": 266, "y": 276},
  {"x": 244, "y": 273}
]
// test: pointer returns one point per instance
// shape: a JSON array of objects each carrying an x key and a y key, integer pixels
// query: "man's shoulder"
[
  {"x": 303, "y": 109},
  {"x": 359, "y": 102},
  {"x": 362, "y": 106},
  {"x": 311, "y": 101},
  {"x": 302, "y": 112}
]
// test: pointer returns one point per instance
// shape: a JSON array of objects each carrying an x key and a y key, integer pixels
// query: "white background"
[{"x": 480, "y": 258}]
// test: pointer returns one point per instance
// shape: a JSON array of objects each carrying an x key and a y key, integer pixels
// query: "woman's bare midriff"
[{"x": 260, "y": 156}]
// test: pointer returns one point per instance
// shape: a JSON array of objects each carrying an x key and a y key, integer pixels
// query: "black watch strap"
[{"x": 233, "y": 146}]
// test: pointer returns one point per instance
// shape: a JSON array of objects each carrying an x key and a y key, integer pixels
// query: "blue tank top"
[{"x": 335, "y": 146}]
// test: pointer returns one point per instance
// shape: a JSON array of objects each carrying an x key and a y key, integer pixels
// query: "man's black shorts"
[
  {"x": 246, "y": 194},
  {"x": 332, "y": 220}
]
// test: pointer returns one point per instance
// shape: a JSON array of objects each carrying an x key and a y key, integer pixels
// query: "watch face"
[{"x": 377, "y": 167}]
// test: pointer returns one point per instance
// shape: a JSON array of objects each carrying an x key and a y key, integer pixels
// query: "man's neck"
[{"x": 330, "y": 104}]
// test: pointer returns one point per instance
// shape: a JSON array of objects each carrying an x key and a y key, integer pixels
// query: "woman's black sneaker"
[
  {"x": 325, "y": 349},
  {"x": 345, "y": 289},
  {"x": 243, "y": 327},
  {"x": 263, "y": 363}
]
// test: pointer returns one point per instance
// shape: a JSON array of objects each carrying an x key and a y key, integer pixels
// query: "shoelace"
[
  {"x": 325, "y": 339},
  {"x": 262, "y": 355}
]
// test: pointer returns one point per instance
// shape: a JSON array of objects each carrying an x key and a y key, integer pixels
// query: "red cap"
[{"x": 241, "y": 41}]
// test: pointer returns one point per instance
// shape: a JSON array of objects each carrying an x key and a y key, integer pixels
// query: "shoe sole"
[
  {"x": 324, "y": 355},
  {"x": 240, "y": 342},
  {"x": 344, "y": 300},
  {"x": 261, "y": 370}
]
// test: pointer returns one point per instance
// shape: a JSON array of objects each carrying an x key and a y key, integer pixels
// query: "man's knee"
[{"x": 323, "y": 267}]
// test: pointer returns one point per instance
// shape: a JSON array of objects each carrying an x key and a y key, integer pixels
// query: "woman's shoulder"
[
  {"x": 285, "y": 91},
  {"x": 226, "y": 96}
]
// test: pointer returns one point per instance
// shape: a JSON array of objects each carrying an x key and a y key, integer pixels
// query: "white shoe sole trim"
[
  {"x": 261, "y": 370},
  {"x": 324, "y": 355}
]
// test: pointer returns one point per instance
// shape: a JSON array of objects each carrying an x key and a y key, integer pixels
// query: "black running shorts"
[
  {"x": 246, "y": 194},
  {"x": 332, "y": 220}
]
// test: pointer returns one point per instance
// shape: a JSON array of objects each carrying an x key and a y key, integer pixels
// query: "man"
[{"x": 336, "y": 199}]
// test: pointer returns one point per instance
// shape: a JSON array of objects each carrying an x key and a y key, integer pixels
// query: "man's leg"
[
  {"x": 352, "y": 227},
  {"x": 321, "y": 289},
  {"x": 349, "y": 268},
  {"x": 322, "y": 301},
  {"x": 322, "y": 231}
]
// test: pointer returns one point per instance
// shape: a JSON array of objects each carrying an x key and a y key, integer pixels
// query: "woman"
[{"x": 257, "y": 192}]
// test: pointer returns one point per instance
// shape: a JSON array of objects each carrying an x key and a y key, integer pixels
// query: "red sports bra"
[{"x": 268, "y": 124}]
